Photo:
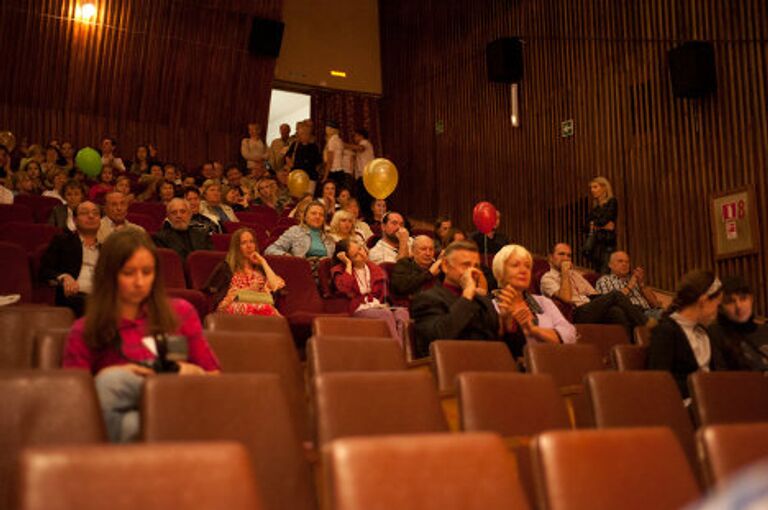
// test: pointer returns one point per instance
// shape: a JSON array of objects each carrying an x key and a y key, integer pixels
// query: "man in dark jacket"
[
  {"x": 70, "y": 260},
  {"x": 178, "y": 235},
  {"x": 416, "y": 273},
  {"x": 459, "y": 308}
]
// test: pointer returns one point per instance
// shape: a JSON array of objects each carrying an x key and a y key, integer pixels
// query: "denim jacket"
[{"x": 296, "y": 241}]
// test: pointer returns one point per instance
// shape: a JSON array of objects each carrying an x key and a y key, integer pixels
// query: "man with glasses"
[{"x": 70, "y": 259}]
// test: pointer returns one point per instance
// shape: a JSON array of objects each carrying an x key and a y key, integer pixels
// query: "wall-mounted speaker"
[
  {"x": 266, "y": 37},
  {"x": 505, "y": 60},
  {"x": 692, "y": 68}
]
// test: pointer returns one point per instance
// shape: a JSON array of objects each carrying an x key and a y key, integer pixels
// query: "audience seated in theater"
[
  {"x": 179, "y": 234},
  {"x": 166, "y": 191},
  {"x": 745, "y": 337},
  {"x": 395, "y": 243},
  {"x": 115, "y": 212},
  {"x": 68, "y": 155},
  {"x": 6, "y": 195},
  {"x": 279, "y": 148},
  {"x": 140, "y": 164},
  {"x": 104, "y": 185},
  {"x": 34, "y": 153},
  {"x": 192, "y": 196},
  {"x": 6, "y": 170},
  {"x": 418, "y": 272},
  {"x": 172, "y": 174},
  {"x": 459, "y": 308},
  {"x": 443, "y": 226},
  {"x": 342, "y": 197},
  {"x": 255, "y": 172},
  {"x": 234, "y": 198},
  {"x": 207, "y": 172},
  {"x": 361, "y": 227},
  {"x": 212, "y": 205},
  {"x": 631, "y": 285},
  {"x": 35, "y": 175},
  {"x": 70, "y": 259},
  {"x": 58, "y": 178},
  {"x": 243, "y": 282},
  {"x": 681, "y": 343},
  {"x": 343, "y": 227},
  {"x": 108, "y": 154},
  {"x": 62, "y": 216},
  {"x": 328, "y": 197},
  {"x": 493, "y": 241},
  {"x": 602, "y": 224},
  {"x": 308, "y": 239},
  {"x": 23, "y": 184},
  {"x": 252, "y": 148},
  {"x": 128, "y": 315},
  {"x": 526, "y": 318},
  {"x": 53, "y": 161},
  {"x": 267, "y": 194},
  {"x": 565, "y": 283},
  {"x": 297, "y": 213},
  {"x": 303, "y": 154},
  {"x": 283, "y": 193},
  {"x": 378, "y": 210},
  {"x": 123, "y": 185},
  {"x": 365, "y": 284}
]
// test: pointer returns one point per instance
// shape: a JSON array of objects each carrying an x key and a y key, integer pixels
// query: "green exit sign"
[{"x": 566, "y": 128}]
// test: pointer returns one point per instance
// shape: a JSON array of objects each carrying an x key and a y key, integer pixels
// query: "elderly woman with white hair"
[
  {"x": 343, "y": 227},
  {"x": 526, "y": 317}
]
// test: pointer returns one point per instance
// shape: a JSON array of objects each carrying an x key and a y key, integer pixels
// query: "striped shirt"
[{"x": 610, "y": 282}]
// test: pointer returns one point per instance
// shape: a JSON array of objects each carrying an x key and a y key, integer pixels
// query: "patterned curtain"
[{"x": 351, "y": 110}]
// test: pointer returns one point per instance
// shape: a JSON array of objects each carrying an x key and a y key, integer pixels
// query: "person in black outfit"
[
  {"x": 62, "y": 215},
  {"x": 198, "y": 220},
  {"x": 492, "y": 242},
  {"x": 681, "y": 343},
  {"x": 601, "y": 241},
  {"x": 745, "y": 338},
  {"x": 177, "y": 232},
  {"x": 459, "y": 308},
  {"x": 303, "y": 154}
]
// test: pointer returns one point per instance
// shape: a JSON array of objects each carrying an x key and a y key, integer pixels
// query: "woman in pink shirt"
[{"x": 132, "y": 330}]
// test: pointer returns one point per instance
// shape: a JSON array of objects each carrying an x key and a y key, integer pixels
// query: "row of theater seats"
[{"x": 361, "y": 386}]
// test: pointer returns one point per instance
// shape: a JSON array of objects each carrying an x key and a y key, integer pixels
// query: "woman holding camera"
[{"x": 130, "y": 326}]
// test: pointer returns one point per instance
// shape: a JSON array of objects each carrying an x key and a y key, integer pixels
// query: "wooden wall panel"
[
  {"x": 604, "y": 64},
  {"x": 175, "y": 73}
]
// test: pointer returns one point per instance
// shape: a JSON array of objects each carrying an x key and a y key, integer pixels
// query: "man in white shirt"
[
  {"x": 590, "y": 307},
  {"x": 364, "y": 151},
  {"x": 279, "y": 148},
  {"x": 395, "y": 242},
  {"x": 115, "y": 213},
  {"x": 108, "y": 146},
  {"x": 333, "y": 154}
]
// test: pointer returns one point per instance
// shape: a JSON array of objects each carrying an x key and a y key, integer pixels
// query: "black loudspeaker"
[
  {"x": 266, "y": 37},
  {"x": 692, "y": 66},
  {"x": 505, "y": 60}
]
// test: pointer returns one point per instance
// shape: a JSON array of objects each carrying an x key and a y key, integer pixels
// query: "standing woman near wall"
[{"x": 601, "y": 241}]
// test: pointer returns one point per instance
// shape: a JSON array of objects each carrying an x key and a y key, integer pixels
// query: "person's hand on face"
[
  {"x": 402, "y": 234},
  {"x": 566, "y": 266},
  {"x": 344, "y": 258}
]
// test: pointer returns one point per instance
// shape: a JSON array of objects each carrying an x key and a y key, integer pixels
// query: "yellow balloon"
[
  {"x": 380, "y": 178},
  {"x": 298, "y": 183},
  {"x": 7, "y": 139}
]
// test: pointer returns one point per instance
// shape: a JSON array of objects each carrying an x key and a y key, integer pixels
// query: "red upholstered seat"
[
  {"x": 15, "y": 266},
  {"x": 540, "y": 266},
  {"x": 41, "y": 206},
  {"x": 221, "y": 241},
  {"x": 333, "y": 301},
  {"x": 194, "y": 297},
  {"x": 154, "y": 209},
  {"x": 200, "y": 265},
  {"x": 27, "y": 235},
  {"x": 172, "y": 268},
  {"x": 147, "y": 221},
  {"x": 16, "y": 212},
  {"x": 261, "y": 214}
]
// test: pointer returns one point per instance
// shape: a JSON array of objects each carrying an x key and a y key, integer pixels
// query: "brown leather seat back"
[
  {"x": 246, "y": 323},
  {"x": 452, "y": 357},
  {"x": 42, "y": 407},
  {"x": 19, "y": 325},
  {"x": 567, "y": 364},
  {"x": 350, "y": 326},
  {"x": 726, "y": 449},
  {"x": 510, "y": 404},
  {"x": 376, "y": 403},
  {"x": 250, "y": 408},
  {"x": 630, "y": 469},
  {"x": 423, "y": 472},
  {"x": 249, "y": 352},
  {"x": 150, "y": 477},
  {"x": 603, "y": 336},
  {"x": 641, "y": 399},
  {"x": 351, "y": 354},
  {"x": 629, "y": 357},
  {"x": 729, "y": 397},
  {"x": 642, "y": 336},
  {"x": 49, "y": 348}
]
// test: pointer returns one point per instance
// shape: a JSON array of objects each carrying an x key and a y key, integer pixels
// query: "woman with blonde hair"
[
  {"x": 243, "y": 282},
  {"x": 525, "y": 317},
  {"x": 601, "y": 240},
  {"x": 343, "y": 227}
]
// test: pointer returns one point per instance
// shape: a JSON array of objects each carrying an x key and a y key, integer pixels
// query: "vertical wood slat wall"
[
  {"x": 173, "y": 73},
  {"x": 602, "y": 63}
]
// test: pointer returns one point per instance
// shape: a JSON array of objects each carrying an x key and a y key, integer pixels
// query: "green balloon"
[{"x": 89, "y": 161}]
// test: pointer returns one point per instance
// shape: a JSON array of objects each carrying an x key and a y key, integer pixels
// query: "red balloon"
[{"x": 484, "y": 216}]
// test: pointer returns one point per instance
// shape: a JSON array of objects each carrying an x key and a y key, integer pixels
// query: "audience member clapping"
[
  {"x": 109, "y": 156},
  {"x": 631, "y": 284}
]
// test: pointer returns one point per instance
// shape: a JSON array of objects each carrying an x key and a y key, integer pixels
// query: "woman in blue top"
[{"x": 308, "y": 239}]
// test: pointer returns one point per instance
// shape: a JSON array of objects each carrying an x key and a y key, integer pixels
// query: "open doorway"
[{"x": 286, "y": 108}]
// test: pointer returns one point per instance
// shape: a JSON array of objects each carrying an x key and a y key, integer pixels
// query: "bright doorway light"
[
  {"x": 85, "y": 12},
  {"x": 286, "y": 108}
]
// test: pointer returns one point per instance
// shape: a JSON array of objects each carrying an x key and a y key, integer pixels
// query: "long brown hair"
[
  {"x": 234, "y": 258},
  {"x": 691, "y": 287},
  {"x": 102, "y": 313}
]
